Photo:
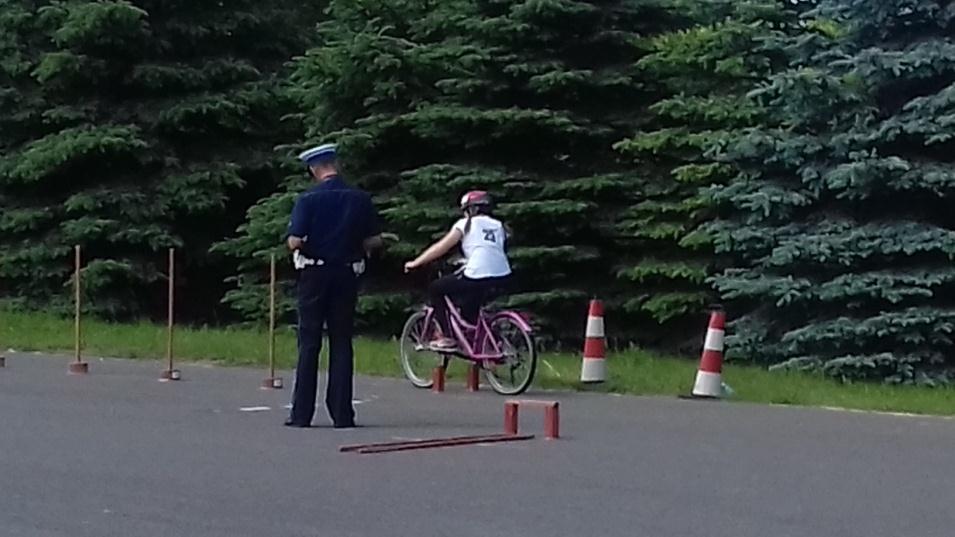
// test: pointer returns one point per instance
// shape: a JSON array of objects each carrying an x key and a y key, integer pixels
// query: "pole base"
[
  {"x": 170, "y": 374},
  {"x": 272, "y": 383},
  {"x": 79, "y": 368}
]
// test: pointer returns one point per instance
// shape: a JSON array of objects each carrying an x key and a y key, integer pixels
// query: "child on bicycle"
[{"x": 486, "y": 268}]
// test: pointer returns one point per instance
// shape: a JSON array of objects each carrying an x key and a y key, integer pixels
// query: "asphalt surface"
[{"x": 116, "y": 453}]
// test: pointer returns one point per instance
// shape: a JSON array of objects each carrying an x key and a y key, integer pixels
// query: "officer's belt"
[{"x": 302, "y": 262}]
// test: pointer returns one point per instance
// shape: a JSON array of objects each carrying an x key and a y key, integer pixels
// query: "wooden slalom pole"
[
  {"x": 77, "y": 366},
  {"x": 272, "y": 382},
  {"x": 170, "y": 373}
]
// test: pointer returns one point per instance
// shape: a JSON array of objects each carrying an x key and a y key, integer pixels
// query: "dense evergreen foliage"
[
  {"x": 525, "y": 99},
  {"x": 789, "y": 158},
  {"x": 130, "y": 127},
  {"x": 839, "y": 219},
  {"x": 706, "y": 72}
]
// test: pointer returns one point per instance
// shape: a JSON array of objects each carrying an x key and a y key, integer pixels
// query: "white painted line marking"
[{"x": 255, "y": 408}]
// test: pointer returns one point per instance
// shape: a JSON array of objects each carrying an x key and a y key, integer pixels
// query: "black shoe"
[
  {"x": 349, "y": 425},
  {"x": 292, "y": 423}
]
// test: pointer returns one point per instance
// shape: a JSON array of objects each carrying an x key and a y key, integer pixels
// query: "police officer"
[{"x": 332, "y": 229}]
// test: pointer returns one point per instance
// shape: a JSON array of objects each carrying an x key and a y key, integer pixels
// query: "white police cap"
[{"x": 322, "y": 153}]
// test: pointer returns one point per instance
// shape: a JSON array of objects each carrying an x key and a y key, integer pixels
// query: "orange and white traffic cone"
[
  {"x": 709, "y": 381},
  {"x": 595, "y": 349}
]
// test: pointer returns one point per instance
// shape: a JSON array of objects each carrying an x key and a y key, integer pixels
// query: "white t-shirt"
[{"x": 483, "y": 248}]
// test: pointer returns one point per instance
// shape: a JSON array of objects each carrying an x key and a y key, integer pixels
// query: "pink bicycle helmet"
[{"x": 475, "y": 198}]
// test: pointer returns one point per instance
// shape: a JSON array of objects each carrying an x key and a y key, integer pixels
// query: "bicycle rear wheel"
[
  {"x": 417, "y": 360},
  {"x": 515, "y": 373}
]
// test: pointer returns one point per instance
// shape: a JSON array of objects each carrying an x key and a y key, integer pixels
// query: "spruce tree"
[
  {"x": 375, "y": 62},
  {"x": 131, "y": 127},
  {"x": 706, "y": 72},
  {"x": 525, "y": 99},
  {"x": 839, "y": 222}
]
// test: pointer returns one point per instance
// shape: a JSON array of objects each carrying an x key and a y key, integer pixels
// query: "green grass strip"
[{"x": 632, "y": 372}]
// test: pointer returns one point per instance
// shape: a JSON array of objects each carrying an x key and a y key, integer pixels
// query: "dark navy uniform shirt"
[{"x": 335, "y": 219}]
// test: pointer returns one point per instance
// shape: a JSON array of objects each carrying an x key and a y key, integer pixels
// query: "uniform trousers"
[{"x": 327, "y": 296}]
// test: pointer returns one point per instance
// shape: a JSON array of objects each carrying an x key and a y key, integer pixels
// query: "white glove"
[{"x": 299, "y": 261}]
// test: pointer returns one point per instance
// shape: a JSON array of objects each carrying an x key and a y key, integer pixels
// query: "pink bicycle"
[{"x": 501, "y": 343}]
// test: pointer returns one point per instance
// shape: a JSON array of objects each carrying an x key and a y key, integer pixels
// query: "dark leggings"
[{"x": 466, "y": 293}]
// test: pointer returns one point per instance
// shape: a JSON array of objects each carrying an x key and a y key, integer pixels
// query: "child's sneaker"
[{"x": 444, "y": 344}]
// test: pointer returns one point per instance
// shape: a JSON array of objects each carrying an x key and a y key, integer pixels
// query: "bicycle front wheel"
[
  {"x": 417, "y": 360},
  {"x": 514, "y": 374}
]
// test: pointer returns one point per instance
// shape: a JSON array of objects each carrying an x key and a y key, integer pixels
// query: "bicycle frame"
[{"x": 475, "y": 348}]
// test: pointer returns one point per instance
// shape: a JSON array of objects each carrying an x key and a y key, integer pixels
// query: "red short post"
[
  {"x": 551, "y": 416},
  {"x": 437, "y": 378},
  {"x": 510, "y": 417},
  {"x": 552, "y": 422},
  {"x": 474, "y": 378}
]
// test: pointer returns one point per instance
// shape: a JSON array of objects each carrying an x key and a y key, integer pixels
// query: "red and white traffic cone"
[
  {"x": 594, "y": 368},
  {"x": 709, "y": 379}
]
